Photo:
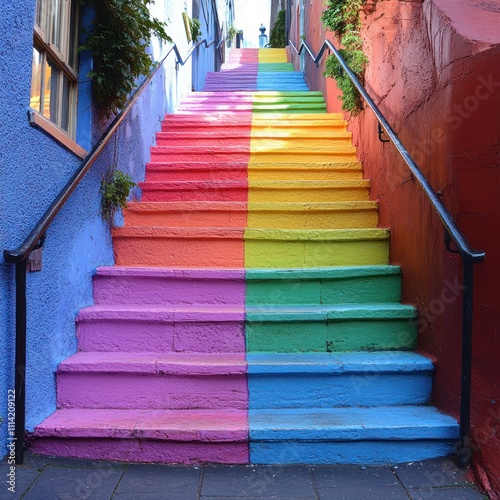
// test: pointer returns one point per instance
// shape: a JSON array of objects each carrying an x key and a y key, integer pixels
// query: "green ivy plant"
[
  {"x": 231, "y": 32},
  {"x": 343, "y": 18},
  {"x": 277, "y": 39},
  {"x": 121, "y": 32},
  {"x": 115, "y": 188},
  {"x": 195, "y": 27}
]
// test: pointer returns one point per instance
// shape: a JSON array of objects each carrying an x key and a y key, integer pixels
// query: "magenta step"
[
  {"x": 156, "y": 286},
  {"x": 136, "y": 329},
  {"x": 184, "y": 436},
  {"x": 114, "y": 380}
]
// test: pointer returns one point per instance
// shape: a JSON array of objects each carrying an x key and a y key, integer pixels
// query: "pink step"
[
  {"x": 155, "y": 329},
  {"x": 196, "y": 154},
  {"x": 195, "y": 191},
  {"x": 156, "y": 286},
  {"x": 199, "y": 171},
  {"x": 184, "y": 436},
  {"x": 153, "y": 381}
]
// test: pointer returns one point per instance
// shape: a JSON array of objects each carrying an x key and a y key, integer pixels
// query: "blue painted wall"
[{"x": 33, "y": 169}]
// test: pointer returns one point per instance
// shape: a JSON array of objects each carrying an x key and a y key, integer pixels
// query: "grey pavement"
[{"x": 49, "y": 478}]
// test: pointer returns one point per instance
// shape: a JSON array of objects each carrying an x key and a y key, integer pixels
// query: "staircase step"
[
  {"x": 363, "y": 214},
  {"x": 379, "y": 435},
  {"x": 156, "y": 286},
  {"x": 327, "y": 285},
  {"x": 330, "y": 328},
  {"x": 206, "y": 171},
  {"x": 278, "y": 248},
  {"x": 175, "y": 381},
  {"x": 252, "y": 248},
  {"x": 173, "y": 329},
  {"x": 327, "y": 380},
  {"x": 164, "y": 436},
  {"x": 178, "y": 247},
  {"x": 256, "y": 191}
]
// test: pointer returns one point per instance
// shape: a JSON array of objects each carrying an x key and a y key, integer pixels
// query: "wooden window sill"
[{"x": 39, "y": 121}]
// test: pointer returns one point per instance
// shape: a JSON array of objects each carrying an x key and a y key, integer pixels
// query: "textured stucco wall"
[
  {"x": 434, "y": 72},
  {"x": 33, "y": 169}
]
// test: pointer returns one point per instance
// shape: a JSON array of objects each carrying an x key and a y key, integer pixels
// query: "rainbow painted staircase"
[{"x": 251, "y": 315}]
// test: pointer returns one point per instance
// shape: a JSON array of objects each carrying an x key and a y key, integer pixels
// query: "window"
[{"x": 54, "y": 76}]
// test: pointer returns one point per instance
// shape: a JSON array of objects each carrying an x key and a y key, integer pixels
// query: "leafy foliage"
[
  {"x": 231, "y": 32},
  {"x": 277, "y": 40},
  {"x": 342, "y": 17},
  {"x": 115, "y": 187},
  {"x": 195, "y": 27},
  {"x": 121, "y": 32}
]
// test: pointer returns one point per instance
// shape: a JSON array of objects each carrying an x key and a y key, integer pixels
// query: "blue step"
[
  {"x": 355, "y": 435},
  {"x": 326, "y": 380}
]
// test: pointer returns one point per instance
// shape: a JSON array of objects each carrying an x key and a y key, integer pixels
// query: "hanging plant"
[
  {"x": 343, "y": 18},
  {"x": 120, "y": 35},
  {"x": 195, "y": 27},
  {"x": 115, "y": 188}
]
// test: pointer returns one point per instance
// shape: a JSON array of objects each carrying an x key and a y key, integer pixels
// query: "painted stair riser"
[
  {"x": 158, "y": 172},
  {"x": 285, "y": 142},
  {"x": 353, "y": 452},
  {"x": 170, "y": 288},
  {"x": 157, "y": 216},
  {"x": 193, "y": 251},
  {"x": 161, "y": 215},
  {"x": 322, "y": 290},
  {"x": 330, "y": 336},
  {"x": 311, "y": 391},
  {"x": 150, "y": 392},
  {"x": 146, "y": 335},
  {"x": 144, "y": 451},
  {"x": 254, "y": 192},
  {"x": 172, "y": 251},
  {"x": 262, "y": 253}
]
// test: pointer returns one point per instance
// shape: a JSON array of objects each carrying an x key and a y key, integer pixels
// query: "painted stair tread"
[
  {"x": 163, "y": 313},
  {"x": 264, "y": 133},
  {"x": 206, "y": 273},
  {"x": 189, "y": 364},
  {"x": 337, "y": 362},
  {"x": 256, "y": 184},
  {"x": 339, "y": 235},
  {"x": 355, "y": 423},
  {"x": 255, "y": 313},
  {"x": 174, "y": 425},
  {"x": 301, "y": 166},
  {"x": 330, "y": 312},
  {"x": 259, "y": 95}
]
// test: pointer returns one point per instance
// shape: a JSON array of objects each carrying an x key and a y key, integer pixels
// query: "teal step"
[
  {"x": 338, "y": 285},
  {"x": 327, "y": 380},
  {"x": 372, "y": 436},
  {"x": 330, "y": 327}
]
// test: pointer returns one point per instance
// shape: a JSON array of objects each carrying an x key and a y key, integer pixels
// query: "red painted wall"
[{"x": 435, "y": 73}]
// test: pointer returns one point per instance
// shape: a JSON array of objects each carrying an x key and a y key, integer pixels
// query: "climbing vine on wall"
[
  {"x": 277, "y": 40},
  {"x": 343, "y": 18},
  {"x": 120, "y": 35}
]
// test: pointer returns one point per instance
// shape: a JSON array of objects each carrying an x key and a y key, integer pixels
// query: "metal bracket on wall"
[
  {"x": 380, "y": 131},
  {"x": 35, "y": 257}
]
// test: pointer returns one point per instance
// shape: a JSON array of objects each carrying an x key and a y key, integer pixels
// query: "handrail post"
[
  {"x": 464, "y": 446},
  {"x": 20, "y": 375}
]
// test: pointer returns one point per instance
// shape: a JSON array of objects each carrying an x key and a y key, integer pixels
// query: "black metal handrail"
[
  {"x": 469, "y": 255},
  {"x": 36, "y": 237}
]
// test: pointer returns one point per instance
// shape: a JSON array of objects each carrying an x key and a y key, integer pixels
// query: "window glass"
[
  {"x": 54, "y": 80},
  {"x": 36, "y": 81}
]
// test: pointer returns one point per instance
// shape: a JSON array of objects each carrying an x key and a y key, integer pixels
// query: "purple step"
[
  {"x": 153, "y": 381},
  {"x": 186, "y": 436},
  {"x": 156, "y": 286},
  {"x": 175, "y": 329}
]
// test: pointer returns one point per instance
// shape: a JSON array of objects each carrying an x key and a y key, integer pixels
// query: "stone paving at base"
[{"x": 47, "y": 478}]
